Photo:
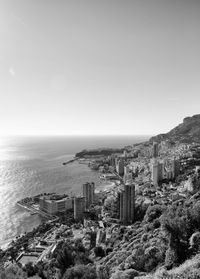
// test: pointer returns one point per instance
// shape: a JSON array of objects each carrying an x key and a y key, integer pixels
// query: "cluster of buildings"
[
  {"x": 193, "y": 182},
  {"x": 163, "y": 169},
  {"x": 149, "y": 165},
  {"x": 119, "y": 164},
  {"x": 153, "y": 167},
  {"x": 126, "y": 196},
  {"x": 125, "y": 168},
  {"x": 52, "y": 204}
]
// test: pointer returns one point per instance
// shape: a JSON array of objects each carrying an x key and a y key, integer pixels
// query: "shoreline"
[
  {"x": 38, "y": 163},
  {"x": 7, "y": 245},
  {"x": 102, "y": 186},
  {"x": 35, "y": 211}
]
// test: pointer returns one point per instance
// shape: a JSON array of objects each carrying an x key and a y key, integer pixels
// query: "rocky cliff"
[{"x": 187, "y": 132}]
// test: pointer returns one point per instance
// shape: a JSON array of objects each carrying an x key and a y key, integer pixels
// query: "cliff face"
[{"x": 187, "y": 132}]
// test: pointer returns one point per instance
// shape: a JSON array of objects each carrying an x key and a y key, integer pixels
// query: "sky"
[{"x": 98, "y": 67}]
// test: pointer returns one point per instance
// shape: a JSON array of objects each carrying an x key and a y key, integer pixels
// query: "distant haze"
[{"x": 98, "y": 67}]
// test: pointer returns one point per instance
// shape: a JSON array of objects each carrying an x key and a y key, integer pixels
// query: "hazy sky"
[{"x": 98, "y": 67}]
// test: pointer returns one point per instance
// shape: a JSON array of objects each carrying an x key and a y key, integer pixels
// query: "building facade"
[
  {"x": 120, "y": 167},
  {"x": 51, "y": 206},
  {"x": 156, "y": 172},
  {"x": 155, "y": 150},
  {"x": 127, "y": 204},
  {"x": 79, "y": 208},
  {"x": 175, "y": 167},
  {"x": 88, "y": 194}
]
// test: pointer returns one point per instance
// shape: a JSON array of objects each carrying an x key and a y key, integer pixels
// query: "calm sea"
[{"x": 33, "y": 165}]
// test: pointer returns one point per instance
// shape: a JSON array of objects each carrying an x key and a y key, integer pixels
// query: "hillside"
[{"x": 187, "y": 132}]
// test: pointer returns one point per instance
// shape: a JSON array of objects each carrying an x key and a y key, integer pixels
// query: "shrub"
[
  {"x": 65, "y": 259},
  {"x": 156, "y": 223},
  {"x": 153, "y": 212},
  {"x": 99, "y": 252},
  {"x": 29, "y": 268},
  {"x": 170, "y": 258},
  {"x": 81, "y": 272},
  {"x": 12, "y": 272},
  {"x": 152, "y": 258},
  {"x": 109, "y": 250},
  {"x": 144, "y": 237}
]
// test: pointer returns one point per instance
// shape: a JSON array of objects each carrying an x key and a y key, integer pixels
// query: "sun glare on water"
[{"x": 5, "y": 148}]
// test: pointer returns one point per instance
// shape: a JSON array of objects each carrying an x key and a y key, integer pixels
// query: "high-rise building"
[
  {"x": 155, "y": 150},
  {"x": 125, "y": 153},
  {"x": 126, "y": 169},
  {"x": 175, "y": 167},
  {"x": 127, "y": 204},
  {"x": 112, "y": 160},
  {"x": 156, "y": 171},
  {"x": 128, "y": 177},
  {"x": 88, "y": 193},
  {"x": 79, "y": 208},
  {"x": 120, "y": 167}
]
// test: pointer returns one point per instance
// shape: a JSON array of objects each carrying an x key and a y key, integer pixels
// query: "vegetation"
[
  {"x": 188, "y": 131},
  {"x": 80, "y": 272},
  {"x": 165, "y": 240},
  {"x": 67, "y": 255},
  {"x": 12, "y": 272},
  {"x": 167, "y": 236},
  {"x": 99, "y": 252},
  {"x": 98, "y": 152}
]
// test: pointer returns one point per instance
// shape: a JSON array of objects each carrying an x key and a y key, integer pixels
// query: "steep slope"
[{"x": 187, "y": 132}]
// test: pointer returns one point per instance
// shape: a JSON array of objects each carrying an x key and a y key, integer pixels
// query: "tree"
[
  {"x": 153, "y": 212},
  {"x": 12, "y": 272},
  {"x": 99, "y": 252},
  {"x": 80, "y": 272},
  {"x": 65, "y": 258},
  {"x": 110, "y": 204},
  {"x": 29, "y": 268}
]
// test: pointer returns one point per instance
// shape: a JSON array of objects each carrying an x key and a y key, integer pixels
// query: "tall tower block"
[
  {"x": 79, "y": 208},
  {"x": 88, "y": 193},
  {"x": 155, "y": 150},
  {"x": 127, "y": 204}
]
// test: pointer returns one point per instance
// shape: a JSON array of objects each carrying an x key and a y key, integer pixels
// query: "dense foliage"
[
  {"x": 97, "y": 152},
  {"x": 80, "y": 272}
]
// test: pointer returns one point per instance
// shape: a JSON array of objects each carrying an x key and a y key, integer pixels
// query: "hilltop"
[{"x": 186, "y": 132}]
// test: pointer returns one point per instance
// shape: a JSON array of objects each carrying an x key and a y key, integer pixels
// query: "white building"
[{"x": 52, "y": 204}]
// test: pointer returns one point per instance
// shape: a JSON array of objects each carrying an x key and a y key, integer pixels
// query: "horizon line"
[{"x": 76, "y": 135}]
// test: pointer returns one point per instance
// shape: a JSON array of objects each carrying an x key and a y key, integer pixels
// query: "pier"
[{"x": 70, "y": 161}]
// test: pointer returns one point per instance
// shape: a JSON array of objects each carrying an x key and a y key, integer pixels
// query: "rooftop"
[{"x": 55, "y": 197}]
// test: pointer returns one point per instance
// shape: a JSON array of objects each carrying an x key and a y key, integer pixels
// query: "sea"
[{"x": 30, "y": 165}]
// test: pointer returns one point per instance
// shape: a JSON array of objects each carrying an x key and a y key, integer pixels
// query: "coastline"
[
  {"x": 57, "y": 178},
  {"x": 41, "y": 161},
  {"x": 102, "y": 186}
]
